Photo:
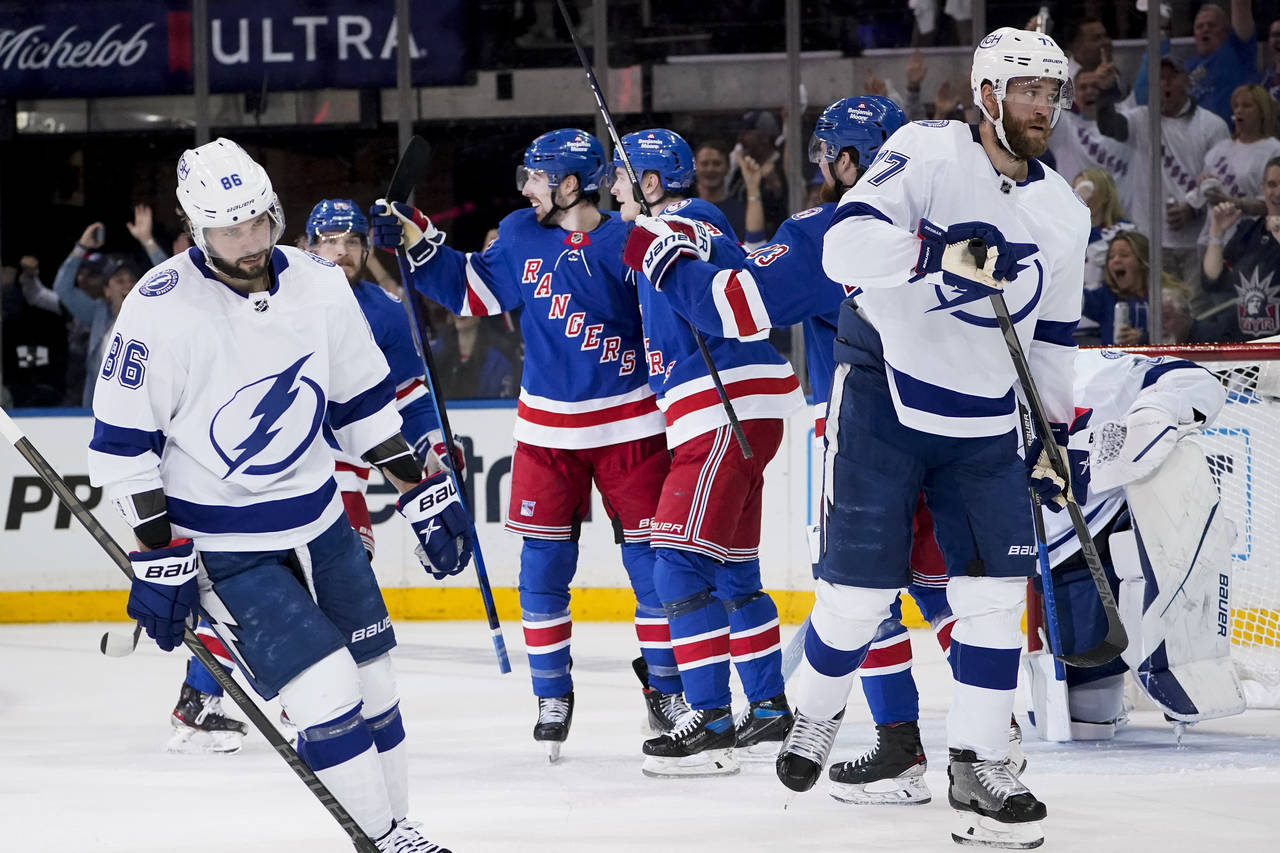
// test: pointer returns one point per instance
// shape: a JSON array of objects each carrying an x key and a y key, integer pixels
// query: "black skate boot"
[
  {"x": 555, "y": 715},
  {"x": 805, "y": 750},
  {"x": 762, "y": 728},
  {"x": 891, "y": 772},
  {"x": 664, "y": 709},
  {"x": 701, "y": 744},
  {"x": 993, "y": 808},
  {"x": 200, "y": 726},
  {"x": 407, "y": 837}
]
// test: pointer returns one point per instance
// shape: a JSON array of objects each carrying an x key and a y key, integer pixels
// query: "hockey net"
[{"x": 1243, "y": 448}]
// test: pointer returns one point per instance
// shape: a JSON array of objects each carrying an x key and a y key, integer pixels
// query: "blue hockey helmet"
[
  {"x": 657, "y": 150},
  {"x": 336, "y": 216},
  {"x": 563, "y": 152},
  {"x": 862, "y": 123}
]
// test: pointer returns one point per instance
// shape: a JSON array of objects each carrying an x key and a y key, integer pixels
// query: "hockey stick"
[
  {"x": 734, "y": 424},
  {"x": 1049, "y": 596},
  {"x": 13, "y": 433},
  {"x": 412, "y": 166},
  {"x": 1116, "y": 639},
  {"x": 116, "y": 645}
]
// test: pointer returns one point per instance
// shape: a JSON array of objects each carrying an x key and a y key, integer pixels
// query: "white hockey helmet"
[
  {"x": 1008, "y": 53},
  {"x": 220, "y": 185}
]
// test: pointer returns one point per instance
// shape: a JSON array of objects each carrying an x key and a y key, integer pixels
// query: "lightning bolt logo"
[{"x": 268, "y": 418}]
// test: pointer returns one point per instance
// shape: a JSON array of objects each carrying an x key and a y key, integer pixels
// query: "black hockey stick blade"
[{"x": 410, "y": 170}]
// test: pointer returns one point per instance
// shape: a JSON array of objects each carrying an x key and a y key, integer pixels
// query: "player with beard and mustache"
[{"x": 924, "y": 400}]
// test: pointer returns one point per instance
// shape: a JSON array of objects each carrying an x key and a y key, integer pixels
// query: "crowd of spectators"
[{"x": 1220, "y": 214}]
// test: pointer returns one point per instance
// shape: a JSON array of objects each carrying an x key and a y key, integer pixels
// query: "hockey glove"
[
  {"x": 948, "y": 252},
  {"x": 164, "y": 591},
  {"x": 444, "y": 532},
  {"x": 657, "y": 241},
  {"x": 1125, "y": 452},
  {"x": 1045, "y": 482},
  {"x": 395, "y": 225},
  {"x": 431, "y": 448}
]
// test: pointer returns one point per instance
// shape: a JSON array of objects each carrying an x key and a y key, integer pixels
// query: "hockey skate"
[
  {"x": 760, "y": 730},
  {"x": 993, "y": 809},
  {"x": 701, "y": 744},
  {"x": 805, "y": 750},
  {"x": 406, "y": 837},
  {"x": 891, "y": 772},
  {"x": 555, "y": 715},
  {"x": 200, "y": 726},
  {"x": 664, "y": 709}
]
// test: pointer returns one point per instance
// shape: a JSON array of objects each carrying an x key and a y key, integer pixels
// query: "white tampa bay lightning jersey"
[
  {"x": 219, "y": 398},
  {"x": 948, "y": 368},
  {"x": 1111, "y": 384}
]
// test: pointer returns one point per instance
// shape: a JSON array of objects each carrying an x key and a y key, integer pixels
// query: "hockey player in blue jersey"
[
  {"x": 585, "y": 414},
  {"x": 781, "y": 284},
  {"x": 337, "y": 231},
  {"x": 707, "y": 527},
  {"x": 924, "y": 398},
  {"x": 225, "y": 365}
]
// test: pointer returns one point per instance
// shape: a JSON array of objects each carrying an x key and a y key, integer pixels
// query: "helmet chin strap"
[
  {"x": 998, "y": 123},
  {"x": 547, "y": 220}
]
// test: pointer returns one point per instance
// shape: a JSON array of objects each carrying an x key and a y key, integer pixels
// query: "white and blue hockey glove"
[
  {"x": 1045, "y": 482},
  {"x": 164, "y": 592},
  {"x": 396, "y": 225},
  {"x": 947, "y": 251},
  {"x": 438, "y": 520},
  {"x": 656, "y": 242}
]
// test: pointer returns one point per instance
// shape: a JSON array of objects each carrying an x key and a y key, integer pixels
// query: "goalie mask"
[
  {"x": 228, "y": 196},
  {"x": 1007, "y": 55}
]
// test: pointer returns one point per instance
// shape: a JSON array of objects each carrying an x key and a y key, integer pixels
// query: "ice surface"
[{"x": 82, "y": 766}]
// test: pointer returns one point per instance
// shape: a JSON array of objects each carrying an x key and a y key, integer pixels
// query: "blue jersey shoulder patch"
[
  {"x": 160, "y": 283},
  {"x": 805, "y": 214}
]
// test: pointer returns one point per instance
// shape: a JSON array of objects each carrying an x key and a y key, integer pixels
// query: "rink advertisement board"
[
  {"x": 62, "y": 49},
  {"x": 50, "y": 561}
]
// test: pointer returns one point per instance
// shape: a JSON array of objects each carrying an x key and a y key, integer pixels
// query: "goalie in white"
[{"x": 1153, "y": 507}]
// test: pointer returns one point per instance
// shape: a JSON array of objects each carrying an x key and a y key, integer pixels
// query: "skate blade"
[
  {"x": 712, "y": 762},
  {"x": 553, "y": 750},
  {"x": 765, "y": 752},
  {"x": 883, "y": 792},
  {"x": 187, "y": 741},
  {"x": 987, "y": 832}
]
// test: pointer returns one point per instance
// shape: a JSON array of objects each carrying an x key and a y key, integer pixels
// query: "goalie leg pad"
[{"x": 1183, "y": 547}]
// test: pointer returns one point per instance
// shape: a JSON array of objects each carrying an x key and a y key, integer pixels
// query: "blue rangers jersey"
[
  {"x": 219, "y": 399},
  {"x": 780, "y": 284},
  {"x": 584, "y": 384},
  {"x": 390, "y": 326},
  {"x": 760, "y": 382},
  {"x": 1112, "y": 384},
  {"x": 947, "y": 365}
]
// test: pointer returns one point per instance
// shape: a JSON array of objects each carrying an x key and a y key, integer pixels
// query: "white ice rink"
[{"x": 82, "y": 766}]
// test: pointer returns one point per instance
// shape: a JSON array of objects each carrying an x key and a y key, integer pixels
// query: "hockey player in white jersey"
[
  {"x": 1153, "y": 507},
  {"x": 924, "y": 398},
  {"x": 225, "y": 364}
]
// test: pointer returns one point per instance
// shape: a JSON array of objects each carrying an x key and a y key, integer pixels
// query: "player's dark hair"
[{"x": 1078, "y": 26}]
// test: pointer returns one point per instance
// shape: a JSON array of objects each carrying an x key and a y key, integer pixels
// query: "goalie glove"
[
  {"x": 948, "y": 251},
  {"x": 438, "y": 520},
  {"x": 1123, "y": 453},
  {"x": 656, "y": 242},
  {"x": 164, "y": 592},
  {"x": 396, "y": 225}
]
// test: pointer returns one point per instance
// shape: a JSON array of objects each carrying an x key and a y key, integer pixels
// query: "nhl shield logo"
[{"x": 1258, "y": 304}]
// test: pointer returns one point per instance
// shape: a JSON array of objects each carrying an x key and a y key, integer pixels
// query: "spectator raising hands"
[{"x": 140, "y": 228}]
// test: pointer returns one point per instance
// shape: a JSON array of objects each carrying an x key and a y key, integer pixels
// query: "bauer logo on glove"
[{"x": 444, "y": 531}]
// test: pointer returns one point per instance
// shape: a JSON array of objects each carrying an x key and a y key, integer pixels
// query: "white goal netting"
[{"x": 1243, "y": 447}]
